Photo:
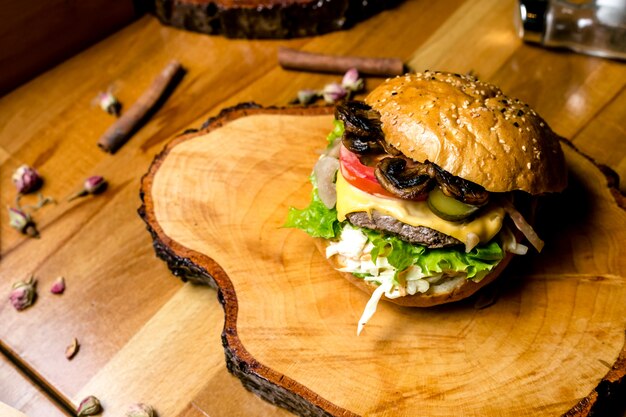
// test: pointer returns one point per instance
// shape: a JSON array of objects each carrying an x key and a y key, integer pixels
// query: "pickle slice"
[{"x": 449, "y": 208}]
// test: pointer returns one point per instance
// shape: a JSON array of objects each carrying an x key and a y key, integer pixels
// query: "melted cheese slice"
[{"x": 416, "y": 213}]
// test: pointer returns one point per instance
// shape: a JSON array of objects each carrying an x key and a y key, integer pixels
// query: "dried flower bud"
[
  {"x": 90, "y": 406},
  {"x": 109, "y": 103},
  {"x": 333, "y": 92},
  {"x": 58, "y": 286},
  {"x": 26, "y": 179},
  {"x": 307, "y": 96},
  {"x": 93, "y": 185},
  {"x": 72, "y": 349},
  {"x": 22, "y": 222},
  {"x": 351, "y": 80},
  {"x": 140, "y": 410},
  {"x": 23, "y": 294}
]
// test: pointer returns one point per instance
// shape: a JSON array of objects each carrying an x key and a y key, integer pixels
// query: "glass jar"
[{"x": 594, "y": 27}]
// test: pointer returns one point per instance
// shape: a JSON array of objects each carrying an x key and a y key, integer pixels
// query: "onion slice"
[
  {"x": 472, "y": 241},
  {"x": 523, "y": 225},
  {"x": 324, "y": 171},
  {"x": 370, "y": 307}
]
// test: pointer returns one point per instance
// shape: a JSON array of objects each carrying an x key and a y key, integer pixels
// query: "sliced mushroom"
[
  {"x": 362, "y": 125},
  {"x": 361, "y": 145},
  {"x": 463, "y": 190},
  {"x": 359, "y": 118},
  {"x": 405, "y": 178}
]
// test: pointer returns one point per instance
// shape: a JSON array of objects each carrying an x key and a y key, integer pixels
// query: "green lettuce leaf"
[
  {"x": 317, "y": 220},
  {"x": 336, "y": 133},
  {"x": 477, "y": 263},
  {"x": 401, "y": 255}
]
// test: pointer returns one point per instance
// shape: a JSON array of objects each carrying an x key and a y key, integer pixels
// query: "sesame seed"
[
  {"x": 528, "y": 165},
  {"x": 524, "y": 148}
]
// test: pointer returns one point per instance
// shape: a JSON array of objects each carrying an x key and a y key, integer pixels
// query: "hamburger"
[{"x": 428, "y": 188}]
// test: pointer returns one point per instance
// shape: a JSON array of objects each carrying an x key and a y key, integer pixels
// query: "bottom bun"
[{"x": 446, "y": 292}]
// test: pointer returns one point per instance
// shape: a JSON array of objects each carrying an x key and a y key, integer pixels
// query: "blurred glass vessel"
[{"x": 593, "y": 27}]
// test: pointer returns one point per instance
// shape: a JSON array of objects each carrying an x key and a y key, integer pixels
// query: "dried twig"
[
  {"x": 123, "y": 127},
  {"x": 298, "y": 60}
]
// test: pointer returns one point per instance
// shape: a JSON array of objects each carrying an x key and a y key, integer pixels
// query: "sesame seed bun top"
[{"x": 472, "y": 130}]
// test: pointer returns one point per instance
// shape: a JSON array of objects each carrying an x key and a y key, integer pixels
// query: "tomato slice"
[{"x": 359, "y": 175}]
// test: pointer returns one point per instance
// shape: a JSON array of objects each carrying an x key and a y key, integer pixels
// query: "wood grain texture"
[
  {"x": 115, "y": 284},
  {"x": 290, "y": 320},
  {"x": 17, "y": 393}
]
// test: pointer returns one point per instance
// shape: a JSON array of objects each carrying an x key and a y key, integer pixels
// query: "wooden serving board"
[
  {"x": 267, "y": 18},
  {"x": 551, "y": 344}
]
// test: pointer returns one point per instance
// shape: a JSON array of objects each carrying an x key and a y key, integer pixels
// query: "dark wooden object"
[{"x": 266, "y": 19}]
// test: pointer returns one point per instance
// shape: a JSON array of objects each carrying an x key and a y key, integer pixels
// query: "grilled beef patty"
[{"x": 412, "y": 234}]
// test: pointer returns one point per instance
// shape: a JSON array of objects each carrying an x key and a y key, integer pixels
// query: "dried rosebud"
[
  {"x": 22, "y": 222},
  {"x": 307, "y": 96},
  {"x": 72, "y": 349},
  {"x": 351, "y": 80},
  {"x": 333, "y": 92},
  {"x": 23, "y": 294},
  {"x": 26, "y": 179},
  {"x": 109, "y": 103},
  {"x": 58, "y": 286},
  {"x": 90, "y": 406},
  {"x": 140, "y": 410},
  {"x": 93, "y": 185}
]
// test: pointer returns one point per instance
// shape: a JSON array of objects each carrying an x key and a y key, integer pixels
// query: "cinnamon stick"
[
  {"x": 123, "y": 128},
  {"x": 298, "y": 60}
]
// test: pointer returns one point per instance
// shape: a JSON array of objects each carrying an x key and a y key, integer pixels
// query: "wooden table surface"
[{"x": 144, "y": 335}]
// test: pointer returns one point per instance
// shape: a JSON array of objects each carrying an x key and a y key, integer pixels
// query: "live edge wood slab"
[
  {"x": 266, "y": 18},
  {"x": 552, "y": 343}
]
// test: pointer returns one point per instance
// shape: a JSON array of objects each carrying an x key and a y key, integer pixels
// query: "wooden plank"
[
  {"x": 19, "y": 394},
  {"x": 597, "y": 138}
]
